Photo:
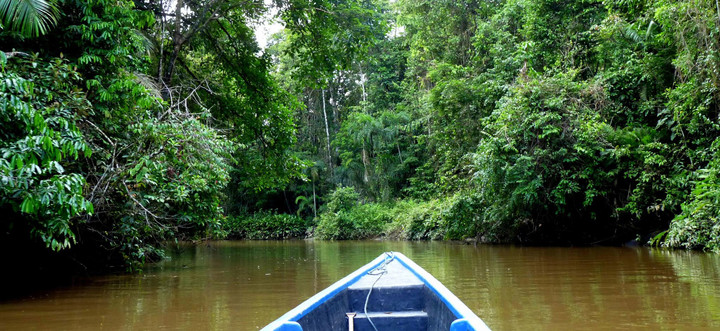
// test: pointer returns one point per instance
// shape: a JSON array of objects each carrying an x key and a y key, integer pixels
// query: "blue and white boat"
[{"x": 389, "y": 293}]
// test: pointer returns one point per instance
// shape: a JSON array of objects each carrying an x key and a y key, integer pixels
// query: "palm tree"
[{"x": 31, "y": 18}]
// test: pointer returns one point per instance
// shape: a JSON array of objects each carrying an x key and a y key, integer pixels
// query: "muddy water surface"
[{"x": 245, "y": 285}]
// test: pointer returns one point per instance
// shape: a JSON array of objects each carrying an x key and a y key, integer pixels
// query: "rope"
[{"x": 379, "y": 271}]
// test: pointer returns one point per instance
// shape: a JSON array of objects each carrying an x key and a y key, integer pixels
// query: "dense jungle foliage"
[
  {"x": 127, "y": 124},
  {"x": 537, "y": 122}
]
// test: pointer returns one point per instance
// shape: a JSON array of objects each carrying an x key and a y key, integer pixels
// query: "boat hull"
[{"x": 390, "y": 293}]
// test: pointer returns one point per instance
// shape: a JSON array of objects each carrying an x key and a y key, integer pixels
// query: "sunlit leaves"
[{"x": 30, "y": 18}]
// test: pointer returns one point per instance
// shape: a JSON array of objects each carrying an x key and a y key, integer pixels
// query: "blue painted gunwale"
[{"x": 466, "y": 319}]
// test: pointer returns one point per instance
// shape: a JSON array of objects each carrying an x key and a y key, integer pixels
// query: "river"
[{"x": 244, "y": 285}]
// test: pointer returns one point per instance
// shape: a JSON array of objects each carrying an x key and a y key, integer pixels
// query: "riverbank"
[
  {"x": 457, "y": 218},
  {"x": 402, "y": 220}
]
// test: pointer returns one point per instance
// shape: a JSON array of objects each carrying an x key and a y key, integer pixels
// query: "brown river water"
[{"x": 244, "y": 285}]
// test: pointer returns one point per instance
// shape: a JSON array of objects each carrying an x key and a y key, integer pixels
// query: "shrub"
[
  {"x": 337, "y": 222},
  {"x": 369, "y": 220},
  {"x": 465, "y": 218},
  {"x": 544, "y": 166},
  {"x": 406, "y": 219},
  {"x": 267, "y": 225},
  {"x": 419, "y": 220},
  {"x": 698, "y": 226}
]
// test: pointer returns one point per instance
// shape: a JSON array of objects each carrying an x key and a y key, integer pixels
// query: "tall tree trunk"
[
  {"x": 162, "y": 43},
  {"x": 397, "y": 143},
  {"x": 364, "y": 95},
  {"x": 177, "y": 41},
  {"x": 314, "y": 200},
  {"x": 336, "y": 116},
  {"x": 287, "y": 203},
  {"x": 366, "y": 174},
  {"x": 366, "y": 160},
  {"x": 167, "y": 75},
  {"x": 327, "y": 133}
]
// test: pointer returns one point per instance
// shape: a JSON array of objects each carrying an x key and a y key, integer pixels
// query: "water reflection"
[{"x": 245, "y": 285}]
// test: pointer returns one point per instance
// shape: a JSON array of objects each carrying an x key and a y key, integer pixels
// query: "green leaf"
[{"x": 31, "y": 18}]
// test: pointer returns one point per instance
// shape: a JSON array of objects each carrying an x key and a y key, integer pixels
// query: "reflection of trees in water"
[
  {"x": 223, "y": 285},
  {"x": 587, "y": 288},
  {"x": 701, "y": 271}
]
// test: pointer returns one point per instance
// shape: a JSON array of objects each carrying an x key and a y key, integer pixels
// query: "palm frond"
[
  {"x": 30, "y": 18},
  {"x": 632, "y": 34}
]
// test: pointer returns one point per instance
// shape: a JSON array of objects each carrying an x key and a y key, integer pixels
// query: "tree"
[{"x": 40, "y": 141}]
